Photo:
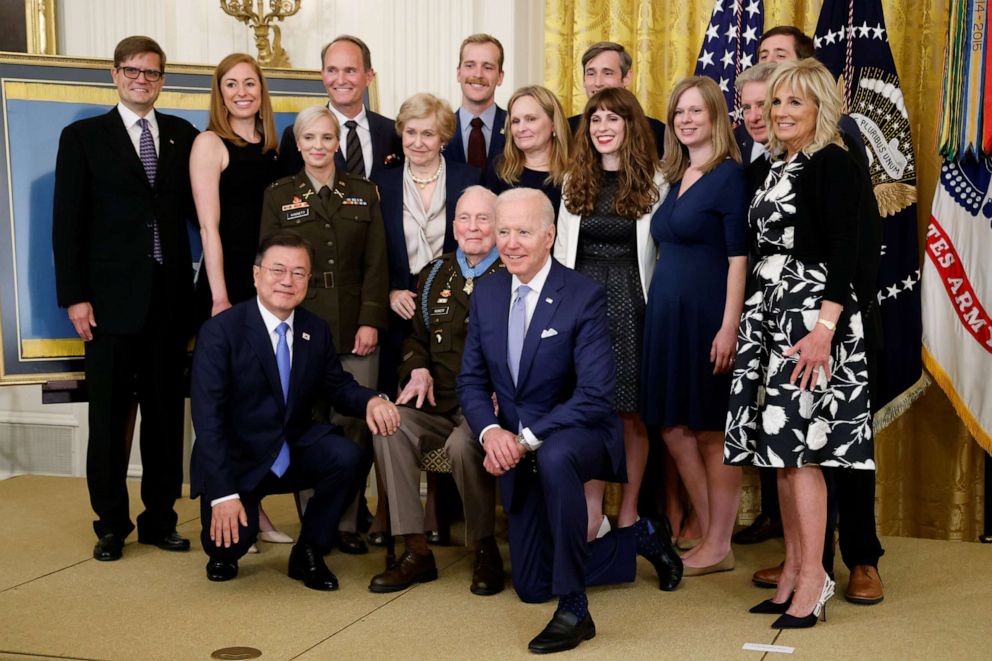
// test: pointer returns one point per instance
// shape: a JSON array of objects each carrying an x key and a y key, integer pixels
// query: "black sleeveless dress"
[{"x": 242, "y": 184}]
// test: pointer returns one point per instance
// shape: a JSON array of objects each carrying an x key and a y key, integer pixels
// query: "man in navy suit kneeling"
[
  {"x": 539, "y": 339},
  {"x": 257, "y": 371}
]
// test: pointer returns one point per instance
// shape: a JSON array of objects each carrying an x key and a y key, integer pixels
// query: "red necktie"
[{"x": 476, "y": 154}]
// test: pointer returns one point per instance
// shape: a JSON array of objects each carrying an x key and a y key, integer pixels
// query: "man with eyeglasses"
[
  {"x": 123, "y": 270},
  {"x": 258, "y": 370},
  {"x": 431, "y": 416}
]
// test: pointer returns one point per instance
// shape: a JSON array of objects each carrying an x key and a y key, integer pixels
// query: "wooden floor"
[{"x": 57, "y": 602}]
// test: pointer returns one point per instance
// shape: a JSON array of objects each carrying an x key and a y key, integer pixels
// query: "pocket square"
[{"x": 548, "y": 332}]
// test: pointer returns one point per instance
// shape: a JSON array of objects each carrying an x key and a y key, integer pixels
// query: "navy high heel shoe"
[
  {"x": 787, "y": 621},
  {"x": 769, "y": 607}
]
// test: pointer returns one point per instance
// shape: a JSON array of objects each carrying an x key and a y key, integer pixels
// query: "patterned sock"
[
  {"x": 647, "y": 543},
  {"x": 576, "y": 603}
]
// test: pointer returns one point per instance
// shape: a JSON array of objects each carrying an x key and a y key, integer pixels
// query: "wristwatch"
[{"x": 382, "y": 395}]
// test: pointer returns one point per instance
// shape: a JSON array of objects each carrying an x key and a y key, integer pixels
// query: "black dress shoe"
[
  {"x": 222, "y": 570},
  {"x": 365, "y": 518},
  {"x": 109, "y": 547},
  {"x": 351, "y": 543},
  {"x": 307, "y": 564},
  {"x": 438, "y": 538},
  {"x": 378, "y": 538},
  {"x": 170, "y": 541},
  {"x": 409, "y": 569},
  {"x": 667, "y": 562},
  {"x": 564, "y": 632},
  {"x": 763, "y": 528},
  {"x": 488, "y": 577}
]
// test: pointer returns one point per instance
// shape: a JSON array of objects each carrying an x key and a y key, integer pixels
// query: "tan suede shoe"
[{"x": 864, "y": 586}]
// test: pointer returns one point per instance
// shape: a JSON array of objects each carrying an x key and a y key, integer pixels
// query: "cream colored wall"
[{"x": 414, "y": 46}]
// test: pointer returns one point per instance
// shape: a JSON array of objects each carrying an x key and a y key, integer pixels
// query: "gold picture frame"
[{"x": 39, "y": 16}]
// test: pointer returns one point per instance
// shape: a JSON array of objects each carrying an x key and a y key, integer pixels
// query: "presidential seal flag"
[
  {"x": 957, "y": 292},
  {"x": 731, "y": 45},
  {"x": 851, "y": 41}
]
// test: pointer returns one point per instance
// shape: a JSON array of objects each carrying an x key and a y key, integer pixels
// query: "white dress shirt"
[
  {"x": 130, "y": 119},
  {"x": 536, "y": 284},
  {"x": 757, "y": 151},
  {"x": 271, "y": 322},
  {"x": 364, "y": 135}
]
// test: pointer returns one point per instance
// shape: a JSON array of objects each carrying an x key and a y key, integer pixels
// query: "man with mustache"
[{"x": 479, "y": 137}]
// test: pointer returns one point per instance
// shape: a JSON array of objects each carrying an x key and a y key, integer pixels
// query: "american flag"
[{"x": 731, "y": 45}]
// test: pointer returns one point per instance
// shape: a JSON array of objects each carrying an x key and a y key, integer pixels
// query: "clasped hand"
[{"x": 503, "y": 451}]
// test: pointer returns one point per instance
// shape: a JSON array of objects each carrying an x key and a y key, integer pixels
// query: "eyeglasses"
[
  {"x": 279, "y": 272},
  {"x": 151, "y": 75}
]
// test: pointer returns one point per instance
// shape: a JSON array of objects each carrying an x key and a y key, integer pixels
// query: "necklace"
[{"x": 424, "y": 183}]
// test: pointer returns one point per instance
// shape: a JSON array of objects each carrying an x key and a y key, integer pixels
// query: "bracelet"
[{"x": 826, "y": 323}]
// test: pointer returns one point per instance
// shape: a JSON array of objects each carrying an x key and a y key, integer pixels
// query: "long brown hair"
[
  {"x": 219, "y": 122},
  {"x": 676, "y": 160},
  {"x": 512, "y": 164},
  {"x": 636, "y": 191}
]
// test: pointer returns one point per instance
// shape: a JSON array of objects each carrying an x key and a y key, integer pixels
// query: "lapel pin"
[
  {"x": 171, "y": 141},
  {"x": 548, "y": 300},
  {"x": 339, "y": 193},
  {"x": 305, "y": 336}
]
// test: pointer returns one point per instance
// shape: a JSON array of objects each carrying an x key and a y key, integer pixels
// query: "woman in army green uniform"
[{"x": 339, "y": 214}]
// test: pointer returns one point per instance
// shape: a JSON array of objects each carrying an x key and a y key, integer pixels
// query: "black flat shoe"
[
  {"x": 307, "y": 564},
  {"x": 351, "y": 543},
  {"x": 564, "y": 632},
  {"x": 170, "y": 541},
  {"x": 222, "y": 570},
  {"x": 109, "y": 547},
  {"x": 769, "y": 607}
]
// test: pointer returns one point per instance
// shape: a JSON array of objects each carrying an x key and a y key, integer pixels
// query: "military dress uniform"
[
  {"x": 349, "y": 283},
  {"x": 436, "y": 342}
]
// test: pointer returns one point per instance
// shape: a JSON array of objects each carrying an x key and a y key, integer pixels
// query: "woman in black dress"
[
  {"x": 536, "y": 156},
  {"x": 611, "y": 190},
  {"x": 799, "y": 391},
  {"x": 230, "y": 166}
]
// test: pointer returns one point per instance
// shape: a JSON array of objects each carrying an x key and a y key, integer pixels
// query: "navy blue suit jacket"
[
  {"x": 458, "y": 177},
  {"x": 239, "y": 414},
  {"x": 387, "y": 148},
  {"x": 567, "y": 369},
  {"x": 455, "y": 151}
]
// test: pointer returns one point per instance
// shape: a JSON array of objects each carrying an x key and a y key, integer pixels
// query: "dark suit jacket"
[
  {"x": 104, "y": 214},
  {"x": 458, "y": 177},
  {"x": 239, "y": 414},
  {"x": 657, "y": 128},
  {"x": 387, "y": 148},
  {"x": 455, "y": 151},
  {"x": 566, "y": 379}
]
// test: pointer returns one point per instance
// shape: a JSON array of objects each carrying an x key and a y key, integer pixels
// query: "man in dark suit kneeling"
[
  {"x": 538, "y": 338},
  {"x": 257, "y": 371}
]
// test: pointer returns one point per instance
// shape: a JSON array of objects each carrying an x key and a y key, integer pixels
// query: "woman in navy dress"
[
  {"x": 693, "y": 311},
  {"x": 536, "y": 156}
]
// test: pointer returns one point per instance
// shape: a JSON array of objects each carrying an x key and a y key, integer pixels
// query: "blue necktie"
[
  {"x": 282, "y": 362},
  {"x": 516, "y": 331},
  {"x": 149, "y": 160}
]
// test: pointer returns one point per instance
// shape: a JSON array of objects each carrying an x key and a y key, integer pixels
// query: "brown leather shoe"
[
  {"x": 768, "y": 578},
  {"x": 488, "y": 577},
  {"x": 409, "y": 569},
  {"x": 864, "y": 586}
]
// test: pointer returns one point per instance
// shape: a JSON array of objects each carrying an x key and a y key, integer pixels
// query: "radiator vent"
[{"x": 36, "y": 448}]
